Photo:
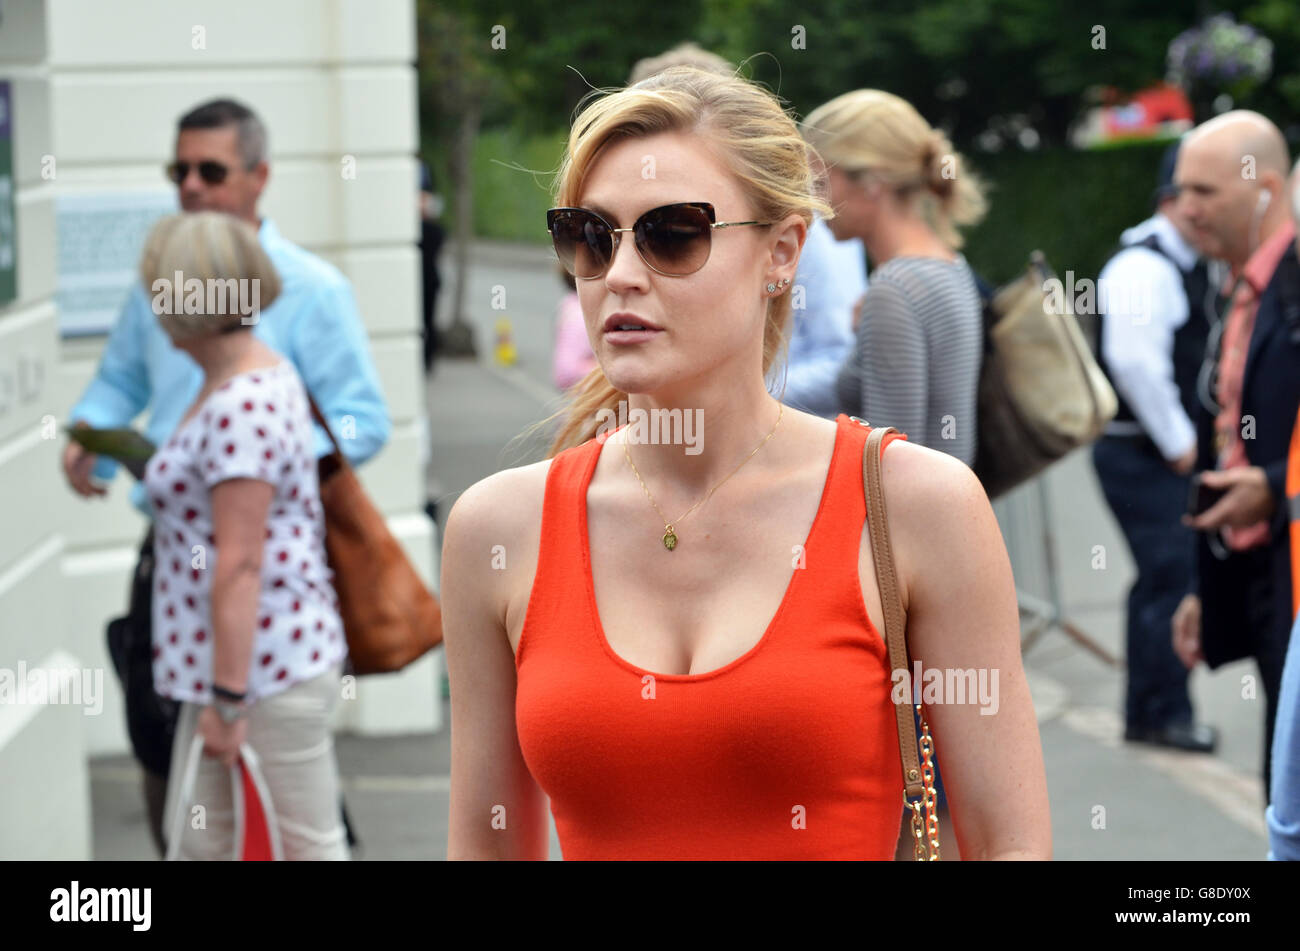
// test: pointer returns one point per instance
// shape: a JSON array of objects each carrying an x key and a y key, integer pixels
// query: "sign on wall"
[
  {"x": 100, "y": 236},
  {"x": 8, "y": 236}
]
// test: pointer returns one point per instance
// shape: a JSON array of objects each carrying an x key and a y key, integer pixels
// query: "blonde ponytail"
[
  {"x": 878, "y": 133},
  {"x": 588, "y": 397}
]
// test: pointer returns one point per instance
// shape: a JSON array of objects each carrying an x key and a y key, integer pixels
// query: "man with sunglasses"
[{"x": 220, "y": 164}]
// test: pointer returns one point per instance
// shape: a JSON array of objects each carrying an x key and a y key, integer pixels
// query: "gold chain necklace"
[{"x": 670, "y": 536}]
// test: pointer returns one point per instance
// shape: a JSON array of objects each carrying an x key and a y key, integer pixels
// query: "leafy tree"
[
  {"x": 455, "y": 87},
  {"x": 966, "y": 63}
]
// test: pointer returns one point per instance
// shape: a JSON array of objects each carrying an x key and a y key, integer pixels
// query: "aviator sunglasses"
[
  {"x": 212, "y": 173},
  {"x": 673, "y": 240}
]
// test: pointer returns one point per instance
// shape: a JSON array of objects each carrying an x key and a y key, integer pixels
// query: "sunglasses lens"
[
  {"x": 675, "y": 240},
  {"x": 582, "y": 242},
  {"x": 214, "y": 173}
]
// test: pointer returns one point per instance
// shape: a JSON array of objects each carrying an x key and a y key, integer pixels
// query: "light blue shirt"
[
  {"x": 1283, "y": 813},
  {"x": 314, "y": 323},
  {"x": 833, "y": 275}
]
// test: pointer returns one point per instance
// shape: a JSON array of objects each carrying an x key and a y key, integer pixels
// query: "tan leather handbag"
[
  {"x": 389, "y": 617},
  {"x": 1041, "y": 392},
  {"x": 918, "y": 771}
]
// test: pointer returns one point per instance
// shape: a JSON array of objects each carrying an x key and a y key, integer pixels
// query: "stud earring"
[{"x": 771, "y": 288}]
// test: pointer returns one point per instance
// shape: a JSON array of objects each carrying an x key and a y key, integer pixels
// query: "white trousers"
[{"x": 290, "y": 733}]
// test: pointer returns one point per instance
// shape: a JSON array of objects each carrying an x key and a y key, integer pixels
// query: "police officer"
[{"x": 1151, "y": 297}]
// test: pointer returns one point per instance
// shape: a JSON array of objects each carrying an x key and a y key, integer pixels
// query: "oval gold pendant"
[{"x": 670, "y": 540}]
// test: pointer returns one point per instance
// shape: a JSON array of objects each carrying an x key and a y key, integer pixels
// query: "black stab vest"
[{"x": 1189, "y": 339}]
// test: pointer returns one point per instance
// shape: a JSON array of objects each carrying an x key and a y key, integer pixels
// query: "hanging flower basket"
[{"x": 1218, "y": 57}]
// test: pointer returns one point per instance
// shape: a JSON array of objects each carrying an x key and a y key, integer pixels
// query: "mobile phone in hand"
[{"x": 1200, "y": 496}]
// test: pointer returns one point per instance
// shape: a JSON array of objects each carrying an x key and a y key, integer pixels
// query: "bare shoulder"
[
  {"x": 940, "y": 519},
  {"x": 929, "y": 484},
  {"x": 498, "y": 510},
  {"x": 489, "y": 555}
]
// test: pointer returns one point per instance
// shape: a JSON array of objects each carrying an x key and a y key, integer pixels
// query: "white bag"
[
  {"x": 185, "y": 796},
  {"x": 1041, "y": 392}
]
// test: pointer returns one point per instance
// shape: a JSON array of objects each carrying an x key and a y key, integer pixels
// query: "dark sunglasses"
[
  {"x": 212, "y": 173},
  {"x": 673, "y": 240}
]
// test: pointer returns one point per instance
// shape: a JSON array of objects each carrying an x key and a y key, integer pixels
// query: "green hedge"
[
  {"x": 509, "y": 203},
  {"x": 1071, "y": 205}
]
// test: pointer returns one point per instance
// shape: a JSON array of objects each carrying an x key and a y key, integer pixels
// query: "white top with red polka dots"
[{"x": 256, "y": 425}]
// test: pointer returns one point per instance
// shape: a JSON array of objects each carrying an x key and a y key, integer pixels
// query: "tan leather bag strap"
[
  {"x": 317, "y": 415},
  {"x": 891, "y": 603}
]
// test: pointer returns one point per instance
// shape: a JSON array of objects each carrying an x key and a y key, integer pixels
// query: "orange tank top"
[{"x": 788, "y": 752}]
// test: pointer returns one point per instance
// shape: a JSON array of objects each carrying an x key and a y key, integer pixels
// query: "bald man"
[{"x": 1232, "y": 181}]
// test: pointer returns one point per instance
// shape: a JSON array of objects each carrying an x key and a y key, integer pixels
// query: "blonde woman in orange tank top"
[{"x": 671, "y": 633}]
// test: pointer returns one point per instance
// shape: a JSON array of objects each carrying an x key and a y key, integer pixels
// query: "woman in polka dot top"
[{"x": 246, "y": 629}]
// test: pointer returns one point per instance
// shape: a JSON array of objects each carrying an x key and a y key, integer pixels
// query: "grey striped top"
[{"x": 916, "y": 360}]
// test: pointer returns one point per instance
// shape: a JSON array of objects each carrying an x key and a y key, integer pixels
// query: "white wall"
[
  {"x": 44, "y": 793},
  {"x": 99, "y": 86}
]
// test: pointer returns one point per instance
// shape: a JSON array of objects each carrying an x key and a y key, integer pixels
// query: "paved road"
[{"x": 1108, "y": 799}]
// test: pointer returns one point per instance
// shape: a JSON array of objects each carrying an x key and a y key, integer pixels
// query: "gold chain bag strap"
[{"x": 918, "y": 772}]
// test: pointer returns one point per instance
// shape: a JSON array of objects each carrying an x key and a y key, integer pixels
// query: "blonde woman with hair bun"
[
  {"x": 876, "y": 138},
  {"x": 898, "y": 184},
  {"x": 676, "y": 642}
]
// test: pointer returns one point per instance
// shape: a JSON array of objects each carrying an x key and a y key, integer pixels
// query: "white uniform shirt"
[{"x": 1146, "y": 304}]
